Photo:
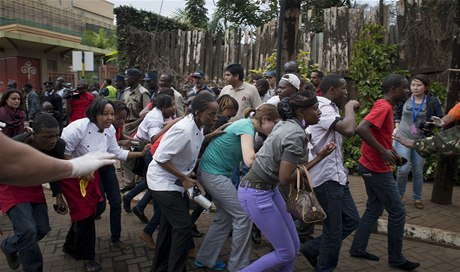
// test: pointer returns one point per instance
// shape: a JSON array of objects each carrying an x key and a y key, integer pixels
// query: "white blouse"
[
  {"x": 151, "y": 125},
  {"x": 82, "y": 136},
  {"x": 180, "y": 145}
]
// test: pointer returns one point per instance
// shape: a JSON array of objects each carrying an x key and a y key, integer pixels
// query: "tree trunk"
[
  {"x": 291, "y": 30},
  {"x": 447, "y": 166}
]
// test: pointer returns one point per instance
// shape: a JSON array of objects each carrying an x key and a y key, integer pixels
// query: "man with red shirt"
[
  {"x": 26, "y": 206},
  {"x": 79, "y": 101},
  {"x": 375, "y": 166}
]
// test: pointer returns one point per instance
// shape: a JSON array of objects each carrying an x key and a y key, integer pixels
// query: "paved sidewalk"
[
  {"x": 139, "y": 258},
  {"x": 439, "y": 224}
]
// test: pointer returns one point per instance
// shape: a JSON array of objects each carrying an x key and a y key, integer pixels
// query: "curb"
[{"x": 424, "y": 234}]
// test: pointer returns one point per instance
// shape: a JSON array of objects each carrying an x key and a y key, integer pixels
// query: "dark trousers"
[
  {"x": 174, "y": 236},
  {"x": 342, "y": 219},
  {"x": 80, "y": 241}
]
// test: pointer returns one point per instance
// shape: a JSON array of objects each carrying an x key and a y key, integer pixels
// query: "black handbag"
[
  {"x": 137, "y": 165},
  {"x": 302, "y": 203}
]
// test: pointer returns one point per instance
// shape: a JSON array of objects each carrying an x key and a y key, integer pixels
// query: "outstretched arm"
[{"x": 40, "y": 168}]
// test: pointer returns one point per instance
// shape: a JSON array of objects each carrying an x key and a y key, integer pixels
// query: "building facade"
[{"x": 37, "y": 38}]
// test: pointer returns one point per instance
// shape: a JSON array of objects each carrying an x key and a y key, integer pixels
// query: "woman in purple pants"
[{"x": 275, "y": 163}]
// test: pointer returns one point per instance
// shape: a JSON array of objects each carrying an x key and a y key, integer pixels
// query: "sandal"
[
  {"x": 218, "y": 266},
  {"x": 418, "y": 204}
]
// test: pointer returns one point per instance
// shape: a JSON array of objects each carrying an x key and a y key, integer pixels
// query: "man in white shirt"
[
  {"x": 330, "y": 177},
  {"x": 246, "y": 94}
]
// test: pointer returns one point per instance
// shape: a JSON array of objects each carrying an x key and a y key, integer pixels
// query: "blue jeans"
[
  {"x": 236, "y": 177},
  {"x": 156, "y": 218},
  {"x": 382, "y": 192},
  {"x": 111, "y": 191},
  {"x": 267, "y": 210},
  {"x": 145, "y": 200},
  {"x": 342, "y": 219},
  {"x": 415, "y": 161},
  {"x": 30, "y": 224},
  {"x": 140, "y": 187}
]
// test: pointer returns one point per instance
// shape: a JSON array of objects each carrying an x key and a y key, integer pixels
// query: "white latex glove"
[
  {"x": 90, "y": 162},
  {"x": 436, "y": 121},
  {"x": 395, "y": 131}
]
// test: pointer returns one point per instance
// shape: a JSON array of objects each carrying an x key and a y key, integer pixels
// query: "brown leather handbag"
[{"x": 302, "y": 203}]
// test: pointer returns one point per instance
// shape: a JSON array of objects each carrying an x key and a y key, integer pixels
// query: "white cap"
[{"x": 293, "y": 79}]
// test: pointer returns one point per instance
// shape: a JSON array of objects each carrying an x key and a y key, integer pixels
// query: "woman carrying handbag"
[{"x": 276, "y": 163}]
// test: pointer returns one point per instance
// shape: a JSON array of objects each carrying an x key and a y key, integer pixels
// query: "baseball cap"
[
  {"x": 199, "y": 74},
  {"x": 120, "y": 78},
  {"x": 133, "y": 72},
  {"x": 293, "y": 79},
  {"x": 270, "y": 74},
  {"x": 150, "y": 76}
]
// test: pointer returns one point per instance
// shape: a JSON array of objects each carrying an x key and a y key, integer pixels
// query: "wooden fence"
[{"x": 182, "y": 52}]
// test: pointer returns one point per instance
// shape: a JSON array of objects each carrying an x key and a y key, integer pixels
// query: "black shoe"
[
  {"x": 407, "y": 266},
  {"x": 12, "y": 259},
  {"x": 310, "y": 258},
  {"x": 126, "y": 187},
  {"x": 92, "y": 266},
  {"x": 140, "y": 215},
  {"x": 126, "y": 205},
  {"x": 366, "y": 255},
  {"x": 195, "y": 232},
  {"x": 256, "y": 236}
]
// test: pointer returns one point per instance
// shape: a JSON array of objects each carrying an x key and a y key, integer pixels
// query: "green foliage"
[
  {"x": 145, "y": 20},
  {"x": 302, "y": 59},
  {"x": 431, "y": 163},
  {"x": 439, "y": 90},
  {"x": 180, "y": 15},
  {"x": 104, "y": 39},
  {"x": 372, "y": 62},
  {"x": 111, "y": 57},
  {"x": 129, "y": 18},
  {"x": 317, "y": 11},
  {"x": 196, "y": 13},
  {"x": 235, "y": 13}
]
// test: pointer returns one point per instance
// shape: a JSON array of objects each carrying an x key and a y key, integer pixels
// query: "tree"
[
  {"x": 180, "y": 15},
  {"x": 290, "y": 30},
  {"x": 105, "y": 39},
  {"x": 196, "y": 13},
  {"x": 235, "y": 13},
  {"x": 317, "y": 7}
]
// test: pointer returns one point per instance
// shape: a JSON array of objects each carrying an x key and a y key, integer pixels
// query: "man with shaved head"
[{"x": 291, "y": 67}]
